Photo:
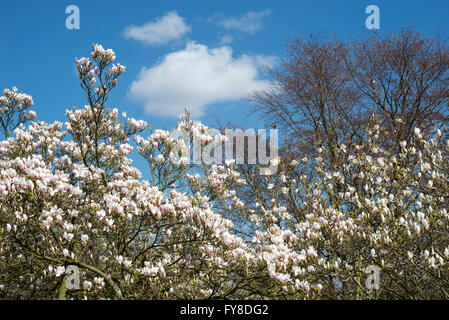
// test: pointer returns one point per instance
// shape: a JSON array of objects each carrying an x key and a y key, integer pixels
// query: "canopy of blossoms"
[{"x": 70, "y": 196}]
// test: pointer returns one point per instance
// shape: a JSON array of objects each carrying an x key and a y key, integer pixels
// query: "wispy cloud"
[
  {"x": 249, "y": 22},
  {"x": 226, "y": 39},
  {"x": 196, "y": 77},
  {"x": 161, "y": 31}
]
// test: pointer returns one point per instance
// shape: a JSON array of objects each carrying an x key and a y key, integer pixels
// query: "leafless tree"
[
  {"x": 404, "y": 78},
  {"x": 325, "y": 90}
]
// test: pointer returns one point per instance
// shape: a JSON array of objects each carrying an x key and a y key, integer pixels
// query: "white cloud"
[
  {"x": 196, "y": 77},
  {"x": 165, "y": 29},
  {"x": 266, "y": 61},
  {"x": 226, "y": 39},
  {"x": 250, "y": 22}
]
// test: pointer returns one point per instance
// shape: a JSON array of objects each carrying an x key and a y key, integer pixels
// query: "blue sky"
[{"x": 183, "y": 46}]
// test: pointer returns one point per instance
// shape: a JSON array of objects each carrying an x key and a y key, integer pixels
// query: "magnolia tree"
[
  {"x": 376, "y": 227},
  {"x": 71, "y": 198},
  {"x": 73, "y": 207}
]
